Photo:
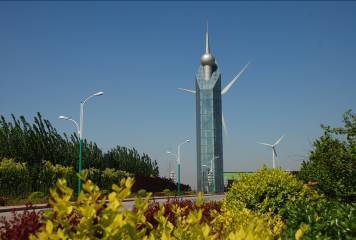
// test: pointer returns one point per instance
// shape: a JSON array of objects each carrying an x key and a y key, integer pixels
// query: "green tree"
[{"x": 332, "y": 162}]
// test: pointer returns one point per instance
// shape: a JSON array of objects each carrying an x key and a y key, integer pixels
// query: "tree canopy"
[{"x": 332, "y": 161}]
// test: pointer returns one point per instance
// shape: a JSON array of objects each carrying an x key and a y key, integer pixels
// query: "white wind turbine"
[
  {"x": 273, "y": 146},
  {"x": 224, "y": 91}
]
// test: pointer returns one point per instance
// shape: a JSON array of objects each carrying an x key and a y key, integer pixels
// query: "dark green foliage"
[
  {"x": 15, "y": 178},
  {"x": 332, "y": 162},
  {"x": 130, "y": 160},
  {"x": 40, "y": 141},
  {"x": 156, "y": 184},
  {"x": 325, "y": 220}
]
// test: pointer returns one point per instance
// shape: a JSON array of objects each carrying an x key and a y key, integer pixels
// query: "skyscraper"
[
  {"x": 209, "y": 124},
  {"x": 210, "y": 121}
]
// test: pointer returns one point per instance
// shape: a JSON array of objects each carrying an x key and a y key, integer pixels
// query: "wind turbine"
[
  {"x": 224, "y": 91},
  {"x": 273, "y": 146}
]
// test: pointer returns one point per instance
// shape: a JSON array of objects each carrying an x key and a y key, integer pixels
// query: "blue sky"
[{"x": 54, "y": 54}]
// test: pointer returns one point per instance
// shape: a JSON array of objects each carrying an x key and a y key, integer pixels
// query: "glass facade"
[{"x": 209, "y": 132}]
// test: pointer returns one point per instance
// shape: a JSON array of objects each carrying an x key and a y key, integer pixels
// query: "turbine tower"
[
  {"x": 273, "y": 147},
  {"x": 209, "y": 118}
]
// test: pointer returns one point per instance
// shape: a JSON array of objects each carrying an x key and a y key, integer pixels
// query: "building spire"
[
  {"x": 207, "y": 58},
  {"x": 207, "y": 49}
]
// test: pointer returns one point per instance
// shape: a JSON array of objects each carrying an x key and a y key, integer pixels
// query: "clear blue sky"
[{"x": 53, "y": 54}]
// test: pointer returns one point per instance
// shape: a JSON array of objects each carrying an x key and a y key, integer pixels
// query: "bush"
[
  {"x": 156, "y": 184},
  {"x": 3, "y": 200},
  {"x": 110, "y": 176},
  {"x": 268, "y": 190},
  {"x": 246, "y": 224},
  {"x": 108, "y": 218},
  {"x": 167, "y": 192},
  {"x": 332, "y": 162},
  {"x": 141, "y": 193},
  {"x": 48, "y": 174},
  {"x": 35, "y": 196},
  {"x": 14, "y": 178},
  {"x": 208, "y": 210},
  {"x": 322, "y": 220},
  {"x": 20, "y": 226}
]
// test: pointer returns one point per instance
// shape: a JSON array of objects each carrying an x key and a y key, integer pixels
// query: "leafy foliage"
[
  {"x": 130, "y": 160},
  {"x": 156, "y": 184},
  {"x": 33, "y": 143},
  {"x": 20, "y": 226},
  {"x": 321, "y": 220},
  {"x": 98, "y": 217},
  {"x": 16, "y": 182},
  {"x": 14, "y": 178},
  {"x": 208, "y": 208},
  {"x": 332, "y": 162},
  {"x": 268, "y": 190}
]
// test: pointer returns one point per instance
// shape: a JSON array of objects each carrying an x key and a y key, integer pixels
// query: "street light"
[
  {"x": 80, "y": 132},
  {"x": 171, "y": 172},
  {"x": 212, "y": 172},
  {"x": 72, "y": 120},
  {"x": 204, "y": 183},
  {"x": 178, "y": 161}
]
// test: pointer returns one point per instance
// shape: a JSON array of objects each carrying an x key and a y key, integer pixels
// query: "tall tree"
[{"x": 332, "y": 162}]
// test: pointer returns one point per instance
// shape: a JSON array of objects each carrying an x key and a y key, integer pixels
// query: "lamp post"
[
  {"x": 212, "y": 172},
  {"x": 204, "y": 182},
  {"x": 171, "y": 173},
  {"x": 178, "y": 161},
  {"x": 80, "y": 132}
]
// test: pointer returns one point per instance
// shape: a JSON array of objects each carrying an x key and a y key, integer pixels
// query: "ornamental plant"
[
  {"x": 208, "y": 210},
  {"x": 20, "y": 226},
  {"x": 268, "y": 190},
  {"x": 13, "y": 174},
  {"x": 332, "y": 161},
  {"x": 93, "y": 216},
  {"x": 322, "y": 220}
]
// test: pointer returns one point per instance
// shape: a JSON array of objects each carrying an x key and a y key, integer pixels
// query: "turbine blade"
[
  {"x": 224, "y": 124},
  {"x": 280, "y": 139},
  {"x": 275, "y": 152},
  {"x": 266, "y": 144},
  {"x": 187, "y": 90},
  {"x": 234, "y": 80}
]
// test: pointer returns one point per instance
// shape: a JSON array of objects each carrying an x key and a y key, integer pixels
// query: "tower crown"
[{"x": 207, "y": 59}]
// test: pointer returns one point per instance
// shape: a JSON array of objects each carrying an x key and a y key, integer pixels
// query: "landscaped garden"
[{"x": 317, "y": 203}]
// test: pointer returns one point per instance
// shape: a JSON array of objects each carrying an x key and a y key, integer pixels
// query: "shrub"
[
  {"x": 208, "y": 209},
  {"x": 36, "y": 196},
  {"x": 167, "y": 192},
  {"x": 110, "y": 176},
  {"x": 323, "y": 220},
  {"x": 108, "y": 218},
  {"x": 268, "y": 190},
  {"x": 48, "y": 174},
  {"x": 332, "y": 162},
  {"x": 141, "y": 193},
  {"x": 20, "y": 226},
  {"x": 247, "y": 224},
  {"x": 14, "y": 178},
  {"x": 3, "y": 200},
  {"x": 156, "y": 184}
]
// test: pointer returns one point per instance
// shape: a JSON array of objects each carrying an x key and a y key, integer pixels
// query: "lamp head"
[
  {"x": 187, "y": 140},
  {"x": 63, "y": 117},
  {"x": 168, "y": 152},
  {"x": 98, "y": 93}
]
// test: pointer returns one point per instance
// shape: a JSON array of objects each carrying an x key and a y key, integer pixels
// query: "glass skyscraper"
[{"x": 209, "y": 124}]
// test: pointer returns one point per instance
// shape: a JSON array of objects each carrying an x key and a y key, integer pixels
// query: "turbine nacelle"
[{"x": 273, "y": 147}]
